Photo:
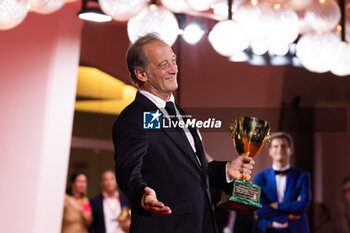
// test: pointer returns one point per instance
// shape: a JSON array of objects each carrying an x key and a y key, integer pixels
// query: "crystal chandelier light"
[
  {"x": 259, "y": 47},
  {"x": 323, "y": 15},
  {"x": 341, "y": 66},
  {"x": 200, "y": 5},
  {"x": 227, "y": 38},
  {"x": 12, "y": 13},
  {"x": 262, "y": 29},
  {"x": 298, "y": 5},
  {"x": 285, "y": 30},
  {"x": 255, "y": 19},
  {"x": 122, "y": 10},
  {"x": 46, "y": 6},
  {"x": 154, "y": 19},
  {"x": 220, "y": 8},
  {"x": 176, "y": 5},
  {"x": 318, "y": 52},
  {"x": 273, "y": 2}
]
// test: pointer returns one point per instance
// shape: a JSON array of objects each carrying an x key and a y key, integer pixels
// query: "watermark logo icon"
[{"x": 151, "y": 120}]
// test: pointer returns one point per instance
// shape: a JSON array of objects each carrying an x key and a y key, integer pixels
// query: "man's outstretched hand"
[
  {"x": 150, "y": 202},
  {"x": 240, "y": 167}
]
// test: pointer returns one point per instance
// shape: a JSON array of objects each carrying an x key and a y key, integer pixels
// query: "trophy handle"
[
  {"x": 233, "y": 129},
  {"x": 267, "y": 138}
]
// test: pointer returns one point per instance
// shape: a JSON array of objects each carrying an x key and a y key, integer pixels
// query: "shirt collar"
[
  {"x": 104, "y": 194},
  {"x": 275, "y": 168},
  {"x": 160, "y": 103}
]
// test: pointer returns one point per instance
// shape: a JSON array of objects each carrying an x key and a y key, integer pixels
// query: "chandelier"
[{"x": 309, "y": 33}]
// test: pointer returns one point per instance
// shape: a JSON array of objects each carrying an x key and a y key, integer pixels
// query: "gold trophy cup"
[{"x": 249, "y": 134}]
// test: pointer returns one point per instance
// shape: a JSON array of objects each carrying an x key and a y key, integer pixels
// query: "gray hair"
[{"x": 135, "y": 57}]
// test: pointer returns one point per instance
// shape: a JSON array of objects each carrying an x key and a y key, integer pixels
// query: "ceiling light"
[
  {"x": 95, "y": 15},
  {"x": 296, "y": 62},
  {"x": 200, "y": 5},
  {"x": 227, "y": 38},
  {"x": 256, "y": 20},
  {"x": 177, "y": 6},
  {"x": 12, "y": 13},
  {"x": 317, "y": 52},
  {"x": 258, "y": 60},
  {"x": 342, "y": 65},
  {"x": 46, "y": 6},
  {"x": 298, "y": 5},
  {"x": 285, "y": 28},
  {"x": 278, "y": 49},
  {"x": 239, "y": 57},
  {"x": 92, "y": 13},
  {"x": 154, "y": 20},
  {"x": 292, "y": 48},
  {"x": 193, "y": 33},
  {"x": 323, "y": 16},
  {"x": 122, "y": 10},
  {"x": 259, "y": 47},
  {"x": 220, "y": 7},
  {"x": 280, "y": 60}
]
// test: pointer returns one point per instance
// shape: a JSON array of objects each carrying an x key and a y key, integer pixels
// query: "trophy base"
[
  {"x": 245, "y": 198},
  {"x": 241, "y": 205}
]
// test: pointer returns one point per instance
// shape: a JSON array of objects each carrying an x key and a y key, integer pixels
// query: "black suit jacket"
[
  {"x": 164, "y": 160},
  {"x": 98, "y": 224}
]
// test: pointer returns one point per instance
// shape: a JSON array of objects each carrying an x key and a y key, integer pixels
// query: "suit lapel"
[
  {"x": 199, "y": 148},
  {"x": 100, "y": 205},
  {"x": 198, "y": 144},
  {"x": 178, "y": 138},
  {"x": 290, "y": 183},
  {"x": 271, "y": 176}
]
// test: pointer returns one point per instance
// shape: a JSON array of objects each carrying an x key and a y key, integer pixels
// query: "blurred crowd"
[{"x": 285, "y": 196}]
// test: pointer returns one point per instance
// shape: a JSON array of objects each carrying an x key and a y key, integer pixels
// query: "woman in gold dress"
[{"x": 77, "y": 215}]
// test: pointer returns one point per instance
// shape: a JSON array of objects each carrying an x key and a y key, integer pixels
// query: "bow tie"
[{"x": 284, "y": 172}]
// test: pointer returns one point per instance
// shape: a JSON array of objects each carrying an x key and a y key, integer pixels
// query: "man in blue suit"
[
  {"x": 107, "y": 207},
  {"x": 285, "y": 191}
]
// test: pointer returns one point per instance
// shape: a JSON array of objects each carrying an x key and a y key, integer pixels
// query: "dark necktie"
[
  {"x": 284, "y": 172},
  {"x": 170, "y": 108}
]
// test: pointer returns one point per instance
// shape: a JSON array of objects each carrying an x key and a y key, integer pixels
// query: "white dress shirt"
[
  {"x": 281, "y": 184},
  {"x": 111, "y": 211},
  {"x": 160, "y": 103}
]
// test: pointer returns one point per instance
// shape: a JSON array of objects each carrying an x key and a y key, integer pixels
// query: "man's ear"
[
  {"x": 291, "y": 150},
  {"x": 141, "y": 74},
  {"x": 269, "y": 151}
]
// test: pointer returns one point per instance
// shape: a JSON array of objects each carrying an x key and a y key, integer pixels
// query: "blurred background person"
[
  {"x": 285, "y": 191},
  {"x": 342, "y": 216},
  {"x": 77, "y": 212},
  {"x": 110, "y": 209}
]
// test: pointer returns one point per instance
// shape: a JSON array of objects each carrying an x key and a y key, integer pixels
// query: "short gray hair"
[{"x": 135, "y": 56}]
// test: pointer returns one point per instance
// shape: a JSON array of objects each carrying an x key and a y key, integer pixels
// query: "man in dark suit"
[
  {"x": 285, "y": 191},
  {"x": 164, "y": 172},
  {"x": 108, "y": 206}
]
